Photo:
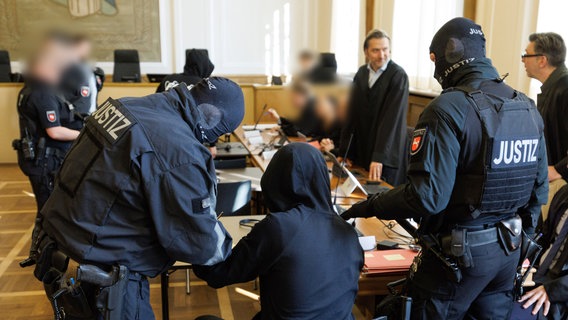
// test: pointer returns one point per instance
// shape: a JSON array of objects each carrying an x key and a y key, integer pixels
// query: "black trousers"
[
  {"x": 485, "y": 292},
  {"x": 42, "y": 177}
]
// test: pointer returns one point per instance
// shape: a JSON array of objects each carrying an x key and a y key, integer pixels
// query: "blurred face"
[
  {"x": 378, "y": 52},
  {"x": 306, "y": 63},
  {"x": 299, "y": 100},
  {"x": 83, "y": 50},
  {"x": 533, "y": 64}
]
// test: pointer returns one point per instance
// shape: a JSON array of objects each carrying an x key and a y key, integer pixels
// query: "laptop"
[{"x": 341, "y": 171}]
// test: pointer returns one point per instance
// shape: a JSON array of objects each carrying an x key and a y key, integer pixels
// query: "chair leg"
[
  {"x": 187, "y": 284},
  {"x": 165, "y": 280}
]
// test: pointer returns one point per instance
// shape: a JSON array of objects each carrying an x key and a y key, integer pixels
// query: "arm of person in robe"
[
  {"x": 431, "y": 172},
  {"x": 396, "y": 108},
  {"x": 252, "y": 256},
  {"x": 560, "y": 169},
  {"x": 539, "y": 196}
]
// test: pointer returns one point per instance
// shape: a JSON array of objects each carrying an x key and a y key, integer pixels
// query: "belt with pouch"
[
  {"x": 459, "y": 242},
  {"x": 50, "y": 151}
]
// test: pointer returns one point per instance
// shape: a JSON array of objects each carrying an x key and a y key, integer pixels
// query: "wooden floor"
[{"x": 22, "y": 296}]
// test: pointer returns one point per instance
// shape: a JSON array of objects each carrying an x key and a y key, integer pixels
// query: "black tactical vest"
[{"x": 511, "y": 132}]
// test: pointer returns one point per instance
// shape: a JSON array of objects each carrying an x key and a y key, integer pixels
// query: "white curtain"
[
  {"x": 345, "y": 31},
  {"x": 414, "y": 24}
]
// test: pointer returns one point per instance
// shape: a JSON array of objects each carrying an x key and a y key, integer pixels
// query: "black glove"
[{"x": 362, "y": 209}]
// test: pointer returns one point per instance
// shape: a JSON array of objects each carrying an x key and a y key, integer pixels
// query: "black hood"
[
  {"x": 215, "y": 106},
  {"x": 297, "y": 175},
  {"x": 197, "y": 63}
]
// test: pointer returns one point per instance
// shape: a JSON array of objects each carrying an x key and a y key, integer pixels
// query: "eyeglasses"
[{"x": 526, "y": 55}]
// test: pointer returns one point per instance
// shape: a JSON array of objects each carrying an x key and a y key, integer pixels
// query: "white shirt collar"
[{"x": 381, "y": 69}]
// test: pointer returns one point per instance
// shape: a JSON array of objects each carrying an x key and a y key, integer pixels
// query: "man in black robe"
[
  {"x": 307, "y": 258},
  {"x": 377, "y": 113},
  {"x": 544, "y": 61}
]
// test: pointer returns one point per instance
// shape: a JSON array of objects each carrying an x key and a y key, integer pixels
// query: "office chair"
[
  {"x": 234, "y": 163},
  {"x": 5, "y": 68},
  {"x": 233, "y": 199},
  {"x": 326, "y": 69},
  {"x": 126, "y": 66}
]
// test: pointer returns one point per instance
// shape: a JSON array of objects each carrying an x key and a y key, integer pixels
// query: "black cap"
[{"x": 457, "y": 43}]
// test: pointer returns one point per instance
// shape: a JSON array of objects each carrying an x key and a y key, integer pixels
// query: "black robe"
[
  {"x": 553, "y": 106},
  {"x": 307, "y": 257},
  {"x": 377, "y": 119}
]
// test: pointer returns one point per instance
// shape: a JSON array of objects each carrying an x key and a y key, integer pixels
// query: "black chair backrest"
[
  {"x": 233, "y": 198},
  {"x": 5, "y": 69},
  {"x": 126, "y": 66},
  {"x": 235, "y": 163}
]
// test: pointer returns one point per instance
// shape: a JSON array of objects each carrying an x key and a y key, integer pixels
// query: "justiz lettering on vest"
[
  {"x": 515, "y": 151},
  {"x": 111, "y": 120}
]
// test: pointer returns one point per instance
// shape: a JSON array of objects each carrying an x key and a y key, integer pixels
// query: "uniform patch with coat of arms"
[
  {"x": 85, "y": 91},
  {"x": 51, "y": 116},
  {"x": 418, "y": 140}
]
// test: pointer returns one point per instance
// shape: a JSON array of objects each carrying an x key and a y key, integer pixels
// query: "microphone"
[
  {"x": 260, "y": 117},
  {"x": 342, "y": 166}
]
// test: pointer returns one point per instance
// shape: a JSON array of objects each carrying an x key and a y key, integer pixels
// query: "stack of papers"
[{"x": 386, "y": 261}]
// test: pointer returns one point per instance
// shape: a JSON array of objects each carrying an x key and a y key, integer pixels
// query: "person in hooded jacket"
[
  {"x": 477, "y": 175},
  {"x": 197, "y": 67},
  {"x": 307, "y": 258},
  {"x": 138, "y": 188}
]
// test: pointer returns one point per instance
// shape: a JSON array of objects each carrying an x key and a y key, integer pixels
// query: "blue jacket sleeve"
[
  {"x": 431, "y": 171},
  {"x": 252, "y": 256},
  {"x": 183, "y": 212}
]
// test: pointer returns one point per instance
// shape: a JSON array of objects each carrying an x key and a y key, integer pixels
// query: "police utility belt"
[
  {"x": 459, "y": 242},
  {"x": 67, "y": 294}
]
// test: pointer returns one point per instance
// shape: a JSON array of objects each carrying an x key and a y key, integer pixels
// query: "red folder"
[{"x": 383, "y": 261}]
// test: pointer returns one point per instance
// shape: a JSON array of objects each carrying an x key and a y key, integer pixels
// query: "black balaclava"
[
  {"x": 219, "y": 105},
  {"x": 458, "y": 42},
  {"x": 297, "y": 175},
  {"x": 197, "y": 63}
]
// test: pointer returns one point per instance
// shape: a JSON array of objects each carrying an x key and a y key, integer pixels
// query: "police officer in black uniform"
[
  {"x": 47, "y": 125},
  {"x": 137, "y": 192},
  {"x": 81, "y": 82},
  {"x": 478, "y": 166}
]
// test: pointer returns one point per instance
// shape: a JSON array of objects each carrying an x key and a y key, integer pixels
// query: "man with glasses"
[{"x": 544, "y": 61}]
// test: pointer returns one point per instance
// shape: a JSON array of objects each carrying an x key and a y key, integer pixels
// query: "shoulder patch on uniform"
[
  {"x": 85, "y": 90},
  {"x": 201, "y": 205},
  {"x": 418, "y": 138},
  {"x": 51, "y": 116},
  {"x": 111, "y": 121}
]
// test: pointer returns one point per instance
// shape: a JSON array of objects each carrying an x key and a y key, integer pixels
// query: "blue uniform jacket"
[
  {"x": 452, "y": 146},
  {"x": 138, "y": 189}
]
